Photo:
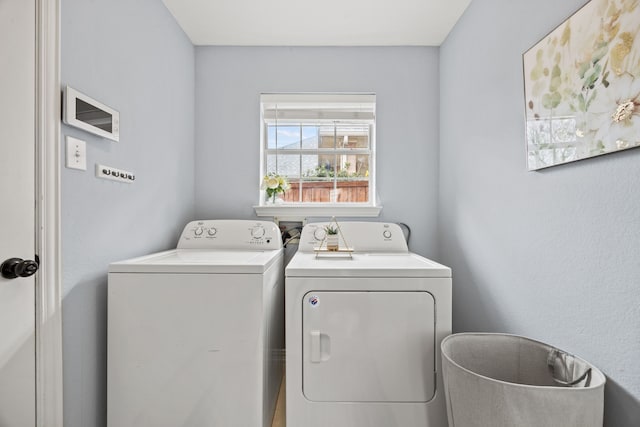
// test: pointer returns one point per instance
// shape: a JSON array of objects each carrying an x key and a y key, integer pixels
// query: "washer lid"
[
  {"x": 200, "y": 261},
  {"x": 305, "y": 264}
]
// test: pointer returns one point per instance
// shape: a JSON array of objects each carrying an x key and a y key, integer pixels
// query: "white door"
[
  {"x": 17, "y": 206},
  {"x": 368, "y": 346}
]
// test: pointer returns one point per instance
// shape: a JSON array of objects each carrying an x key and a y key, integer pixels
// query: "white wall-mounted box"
[{"x": 86, "y": 113}]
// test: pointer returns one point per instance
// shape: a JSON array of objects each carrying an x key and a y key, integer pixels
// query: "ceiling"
[{"x": 317, "y": 23}]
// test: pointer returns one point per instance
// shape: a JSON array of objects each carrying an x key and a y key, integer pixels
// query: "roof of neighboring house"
[{"x": 289, "y": 164}]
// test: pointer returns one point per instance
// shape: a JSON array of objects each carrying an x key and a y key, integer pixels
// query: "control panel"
[
  {"x": 230, "y": 234},
  {"x": 361, "y": 236}
]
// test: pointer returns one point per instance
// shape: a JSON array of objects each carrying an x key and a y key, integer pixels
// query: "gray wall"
[
  {"x": 229, "y": 81},
  {"x": 551, "y": 254},
  {"x": 132, "y": 56}
]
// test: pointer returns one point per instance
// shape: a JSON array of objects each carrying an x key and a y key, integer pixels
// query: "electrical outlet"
[{"x": 76, "y": 154}]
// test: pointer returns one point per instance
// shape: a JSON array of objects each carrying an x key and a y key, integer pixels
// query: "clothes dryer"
[
  {"x": 363, "y": 331},
  {"x": 195, "y": 334}
]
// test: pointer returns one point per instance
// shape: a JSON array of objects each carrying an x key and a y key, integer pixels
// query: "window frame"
[{"x": 370, "y": 208}]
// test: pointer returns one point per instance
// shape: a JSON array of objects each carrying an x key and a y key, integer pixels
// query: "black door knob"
[{"x": 18, "y": 267}]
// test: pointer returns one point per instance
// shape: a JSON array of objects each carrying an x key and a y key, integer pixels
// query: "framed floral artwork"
[{"x": 582, "y": 85}]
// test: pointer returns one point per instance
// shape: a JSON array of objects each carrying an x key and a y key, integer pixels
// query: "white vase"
[
  {"x": 332, "y": 242},
  {"x": 275, "y": 199}
]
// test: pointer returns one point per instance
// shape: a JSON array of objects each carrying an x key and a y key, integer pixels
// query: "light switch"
[{"x": 76, "y": 153}]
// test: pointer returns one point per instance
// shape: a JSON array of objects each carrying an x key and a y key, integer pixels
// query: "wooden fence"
[{"x": 320, "y": 191}]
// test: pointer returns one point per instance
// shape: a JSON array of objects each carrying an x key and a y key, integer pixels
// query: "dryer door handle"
[{"x": 320, "y": 347}]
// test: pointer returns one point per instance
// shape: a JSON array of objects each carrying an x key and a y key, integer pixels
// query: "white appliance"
[
  {"x": 363, "y": 331},
  {"x": 195, "y": 334}
]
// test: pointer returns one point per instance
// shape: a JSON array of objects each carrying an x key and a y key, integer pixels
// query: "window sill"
[{"x": 301, "y": 212}]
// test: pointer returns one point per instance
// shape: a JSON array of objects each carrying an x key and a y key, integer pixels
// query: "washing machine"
[
  {"x": 363, "y": 331},
  {"x": 195, "y": 334}
]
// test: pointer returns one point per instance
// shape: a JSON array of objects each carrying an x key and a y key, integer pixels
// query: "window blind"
[{"x": 318, "y": 108}]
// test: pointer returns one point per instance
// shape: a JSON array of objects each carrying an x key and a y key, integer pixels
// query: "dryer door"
[{"x": 368, "y": 346}]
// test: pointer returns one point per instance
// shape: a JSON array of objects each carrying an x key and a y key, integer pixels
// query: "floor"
[{"x": 279, "y": 416}]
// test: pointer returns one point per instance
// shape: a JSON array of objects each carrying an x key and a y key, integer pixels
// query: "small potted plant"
[{"x": 332, "y": 237}]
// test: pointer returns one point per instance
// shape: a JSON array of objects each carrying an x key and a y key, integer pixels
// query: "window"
[{"x": 324, "y": 144}]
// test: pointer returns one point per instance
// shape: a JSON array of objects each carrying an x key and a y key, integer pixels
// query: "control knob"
[
  {"x": 198, "y": 231},
  {"x": 257, "y": 232},
  {"x": 212, "y": 231},
  {"x": 319, "y": 234},
  {"x": 386, "y": 234}
]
